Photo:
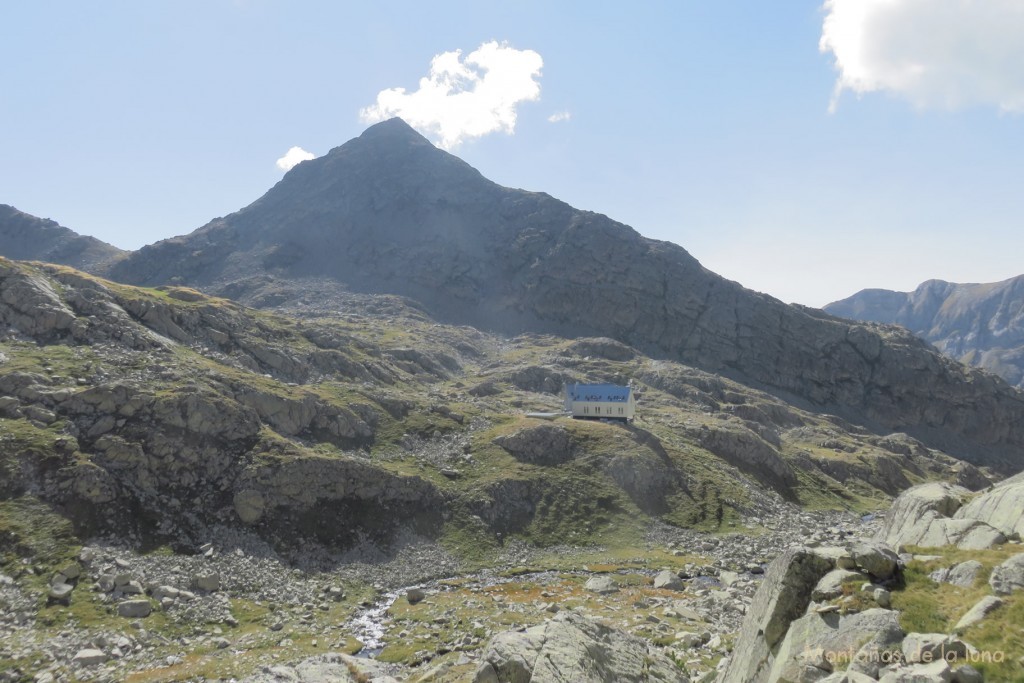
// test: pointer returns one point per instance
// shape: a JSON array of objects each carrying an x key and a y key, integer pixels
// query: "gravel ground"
[{"x": 240, "y": 565}]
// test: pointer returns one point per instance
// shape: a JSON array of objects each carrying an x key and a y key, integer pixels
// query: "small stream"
[{"x": 370, "y": 624}]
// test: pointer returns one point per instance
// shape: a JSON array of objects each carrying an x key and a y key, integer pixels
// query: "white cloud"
[
  {"x": 293, "y": 157},
  {"x": 559, "y": 116},
  {"x": 934, "y": 53},
  {"x": 462, "y": 99}
]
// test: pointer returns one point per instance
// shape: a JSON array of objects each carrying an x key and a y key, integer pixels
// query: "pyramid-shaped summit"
[{"x": 389, "y": 213}]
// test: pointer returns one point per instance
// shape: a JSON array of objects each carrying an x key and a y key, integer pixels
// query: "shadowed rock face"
[
  {"x": 979, "y": 324},
  {"x": 26, "y": 237},
  {"x": 389, "y": 213}
]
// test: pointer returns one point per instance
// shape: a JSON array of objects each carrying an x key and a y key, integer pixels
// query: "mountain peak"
[
  {"x": 395, "y": 128},
  {"x": 27, "y": 237}
]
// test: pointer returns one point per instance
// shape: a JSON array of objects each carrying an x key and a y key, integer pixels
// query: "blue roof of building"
[{"x": 599, "y": 392}]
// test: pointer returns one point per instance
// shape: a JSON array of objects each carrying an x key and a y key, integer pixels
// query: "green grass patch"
[
  {"x": 928, "y": 607},
  {"x": 31, "y": 529}
]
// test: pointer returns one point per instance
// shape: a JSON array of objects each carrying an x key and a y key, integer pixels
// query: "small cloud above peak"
[
  {"x": 941, "y": 54},
  {"x": 466, "y": 98},
  {"x": 293, "y": 157},
  {"x": 559, "y": 116}
]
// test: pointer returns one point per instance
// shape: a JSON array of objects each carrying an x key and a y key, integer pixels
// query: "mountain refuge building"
[{"x": 600, "y": 401}]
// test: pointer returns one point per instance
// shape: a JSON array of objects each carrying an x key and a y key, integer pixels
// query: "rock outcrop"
[
  {"x": 924, "y": 516},
  {"x": 334, "y": 666},
  {"x": 782, "y": 598},
  {"x": 1001, "y": 507},
  {"x": 541, "y": 445},
  {"x": 1008, "y": 577},
  {"x": 979, "y": 324},
  {"x": 815, "y": 638},
  {"x": 572, "y": 647}
]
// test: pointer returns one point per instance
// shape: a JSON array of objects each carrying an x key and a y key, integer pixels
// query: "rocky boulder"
[
  {"x": 931, "y": 647},
  {"x": 831, "y": 585},
  {"x": 999, "y": 507},
  {"x": 877, "y": 560},
  {"x": 573, "y": 647},
  {"x": 963, "y": 574},
  {"x": 977, "y": 613},
  {"x": 134, "y": 609},
  {"x": 601, "y": 585},
  {"x": 921, "y": 516},
  {"x": 540, "y": 445},
  {"x": 781, "y": 599},
  {"x": 668, "y": 580},
  {"x": 1009, "y": 576},
  {"x": 334, "y": 667},
  {"x": 817, "y": 644}
]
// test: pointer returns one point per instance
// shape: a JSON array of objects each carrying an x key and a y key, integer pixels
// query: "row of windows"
[{"x": 607, "y": 411}]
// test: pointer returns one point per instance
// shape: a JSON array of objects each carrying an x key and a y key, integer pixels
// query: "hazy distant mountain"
[
  {"x": 26, "y": 237},
  {"x": 389, "y": 213},
  {"x": 979, "y": 324}
]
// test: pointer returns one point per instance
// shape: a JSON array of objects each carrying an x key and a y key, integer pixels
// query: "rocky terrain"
[
  {"x": 272, "y": 485},
  {"x": 926, "y": 613},
  {"x": 981, "y": 325},
  {"x": 28, "y": 238}
]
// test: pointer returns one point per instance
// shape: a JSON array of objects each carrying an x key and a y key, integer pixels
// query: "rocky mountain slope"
[
  {"x": 264, "y": 481},
  {"x": 389, "y": 213},
  {"x": 165, "y": 412},
  {"x": 26, "y": 237},
  {"x": 981, "y": 325}
]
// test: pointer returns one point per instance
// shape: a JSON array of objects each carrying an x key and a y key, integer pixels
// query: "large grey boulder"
[
  {"x": 883, "y": 648},
  {"x": 668, "y": 580},
  {"x": 848, "y": 677},
  {"x": 1001, "y": 507},
  {"x": 977, "y": 613},
  {"x": 1009, "y": 576},
  {"x": 602, "y": 585},
  {"x": 249, "y": 505},
  {"x": 935, "y": 672},
  {"x": 209, "y": 582},
  {"x": 572, "y": 647},
  {"x": 876, "y": 559},
  {"x": 818, "y": 644},
  {"x": 930, "y": 647},
  {"x": 134, "y": 609},
  {"x": 915, "y": 503},
  {"x": 831, "y": 585},
  {"x": 89, "y": 657},
  {"x": 921, "y": 516},
  {"x": 782, "y": 598},
  {"x": 963, "y": 574},
  {"x": 328, "y": 668},
  {"x": 60, "y": 593}
]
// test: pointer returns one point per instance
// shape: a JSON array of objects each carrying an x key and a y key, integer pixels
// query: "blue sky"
[{"x": 705, "y": 124}]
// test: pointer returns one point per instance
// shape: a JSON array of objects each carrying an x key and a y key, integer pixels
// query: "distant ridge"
[
  {"x": 387, "y": 212},
  {"x": 29, "y": 238},
  {"x": 981, "y": 325}
]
